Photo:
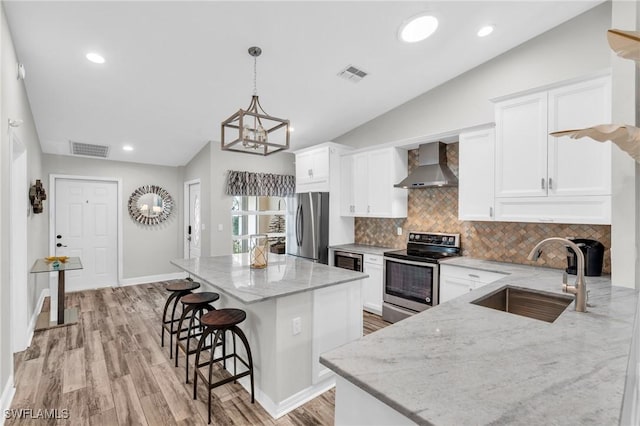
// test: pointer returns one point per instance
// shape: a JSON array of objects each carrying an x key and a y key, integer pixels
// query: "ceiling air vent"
[
  {"x": 89, "y": 150},
  {"x": 352, "y": 74}
]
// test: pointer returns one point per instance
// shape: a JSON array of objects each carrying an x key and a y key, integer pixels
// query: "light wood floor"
[{"x": 109, "y": 369}]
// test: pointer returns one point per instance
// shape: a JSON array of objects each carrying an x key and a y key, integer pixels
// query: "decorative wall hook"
[{"x": 37, "y": 195}]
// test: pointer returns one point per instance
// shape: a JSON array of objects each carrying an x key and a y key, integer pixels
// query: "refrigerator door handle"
[
  {"x": 313, "y": 227},
  {"x": 299, "y": 225}
]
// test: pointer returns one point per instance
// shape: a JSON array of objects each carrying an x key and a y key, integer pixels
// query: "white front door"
[
  {"x": 193, "y": 225},
  {"x": 87, "y": 226}
]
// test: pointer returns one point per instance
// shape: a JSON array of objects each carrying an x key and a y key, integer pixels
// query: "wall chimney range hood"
[{"x": 432, "y": 168}]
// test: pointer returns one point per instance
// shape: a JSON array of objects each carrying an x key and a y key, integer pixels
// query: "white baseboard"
[
  {"x": 277, "y": 410},
  {"x": 152, "y": 278},
  {"x": 34, "y": 316},
  {"x": 7, "y": 396}
]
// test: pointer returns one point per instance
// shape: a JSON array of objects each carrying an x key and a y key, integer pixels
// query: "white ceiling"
[{"x": 175, "y": 70}]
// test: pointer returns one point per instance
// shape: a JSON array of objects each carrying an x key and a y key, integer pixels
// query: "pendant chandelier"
[{"x": 252, "y": 130}]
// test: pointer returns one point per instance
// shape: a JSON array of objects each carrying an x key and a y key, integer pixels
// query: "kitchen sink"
[{"x": 528, "y": 303}]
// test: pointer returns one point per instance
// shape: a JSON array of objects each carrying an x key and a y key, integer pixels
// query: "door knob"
[{"x": 60, "y": 245}]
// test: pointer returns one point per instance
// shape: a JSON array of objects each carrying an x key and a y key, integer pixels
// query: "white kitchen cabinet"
[
  {"x": 457, "y": 280},
  {"x": 372, "y": 287},
  {"x": 312, "y": 170},
  {"x": 370, "y": 176},
  {"x": 540, "y": 178},
  {"x": 476, "y": 175}
]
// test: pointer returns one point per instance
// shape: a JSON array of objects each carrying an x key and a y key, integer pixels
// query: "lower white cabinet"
[
  {"x": 457, "y": 280},
  {"x": 372, "y": 287}
]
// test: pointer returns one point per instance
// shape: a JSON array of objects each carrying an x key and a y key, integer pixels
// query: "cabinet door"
[
  {"x": 360, "y": 184},
  {"x": 452, "y": 287},
  {"x": 476, "y": 180},
  {"x": 372, "y": 287},
  {"x": 312, "y": 170},
  {"x": 582, "y": 166},
  {"x": 521, "y": 147},
  {"x": 346, "y": 186},
  {"x": 380, "y": 183}
]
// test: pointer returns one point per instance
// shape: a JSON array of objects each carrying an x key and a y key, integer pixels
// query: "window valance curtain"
[{"x": 260, "y": 184}]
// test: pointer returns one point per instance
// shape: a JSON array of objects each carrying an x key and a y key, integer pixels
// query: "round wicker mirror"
[{"x": 150, "y": 205}]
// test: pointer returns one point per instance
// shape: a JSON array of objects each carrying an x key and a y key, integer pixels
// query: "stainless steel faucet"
[{"x": 579, "y": 289}]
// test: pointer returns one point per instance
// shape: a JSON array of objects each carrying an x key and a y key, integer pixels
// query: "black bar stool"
[
  {"x": 193, "y": 307},
  {"x": 177, "y": 289},
  {"x": 221, "y": 321}
]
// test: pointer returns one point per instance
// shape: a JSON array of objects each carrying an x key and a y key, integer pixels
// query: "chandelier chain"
[{"x": 255, "y": 78}]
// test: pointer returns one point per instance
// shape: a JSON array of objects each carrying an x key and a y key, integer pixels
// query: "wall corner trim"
[
  {"x": 7, "y": 396},
  {"x": 34, "y": 316}
]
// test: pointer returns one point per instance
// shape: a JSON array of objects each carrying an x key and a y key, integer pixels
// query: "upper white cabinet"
[
  {"x": 521, "y": 146},
  {"x": 540, "y": 178},
  {"x": 368, "y": 179},
  {"x": 312, "y": 170},
  {"x": 476, "y": 167}
]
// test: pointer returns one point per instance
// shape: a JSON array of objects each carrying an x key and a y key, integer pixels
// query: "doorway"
[
  {"x": 86, "y": 226},
  {"x": 192, "y": 219},
  {"x": 19, "y": 269}
]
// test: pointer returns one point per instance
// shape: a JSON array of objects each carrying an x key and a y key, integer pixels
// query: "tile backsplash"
[{"x": 436, "y": 210}]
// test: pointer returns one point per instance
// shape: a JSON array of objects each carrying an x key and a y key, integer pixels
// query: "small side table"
[{"x": 65, "y": 316}]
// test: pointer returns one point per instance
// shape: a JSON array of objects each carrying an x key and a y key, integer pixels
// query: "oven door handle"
[{"x": 411, "y": 262}]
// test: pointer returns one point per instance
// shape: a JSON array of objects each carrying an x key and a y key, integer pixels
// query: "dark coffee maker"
[{"x": 593, "y": 257}]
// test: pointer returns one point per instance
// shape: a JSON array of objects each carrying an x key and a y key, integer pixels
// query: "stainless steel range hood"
[{"x": 432, "y": 168}]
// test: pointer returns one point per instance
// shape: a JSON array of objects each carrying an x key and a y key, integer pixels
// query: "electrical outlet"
[
  {"x": 296, "y": 326},
  {"x": 399, "y": 230}
]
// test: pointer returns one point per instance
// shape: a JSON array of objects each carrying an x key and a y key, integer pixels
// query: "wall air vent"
[
  {"x": 352, "y": 74},
  {"x": 89, "y": 150}
]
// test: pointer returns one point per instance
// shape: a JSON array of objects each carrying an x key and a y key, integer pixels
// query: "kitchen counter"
[
  {"x": 361, "y": 248},
  {"x": 296, "y": 309},
  {"x": 284, "y": 275},
  {"x": 460, "y": 363}
]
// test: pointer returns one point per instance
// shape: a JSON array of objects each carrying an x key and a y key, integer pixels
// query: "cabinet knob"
[
  {"x": 542, "y": 183},
  {"x": 550, "y": 183}
]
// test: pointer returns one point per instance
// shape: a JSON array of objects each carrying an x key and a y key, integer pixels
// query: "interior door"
[
  {"x": 86, "y": 226},
  {"x": 194, "y": 224}
]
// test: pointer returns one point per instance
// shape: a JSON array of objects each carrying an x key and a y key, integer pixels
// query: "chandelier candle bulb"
[{"x": 258, "y": 251}]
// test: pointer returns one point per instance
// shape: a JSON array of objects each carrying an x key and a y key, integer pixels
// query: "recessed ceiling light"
[
  {"x": 418, "y": 28},
  {"x": 485, "y": 31},
  {"x": 127, "y": 148},
  {"x": 95, "y": 58}
]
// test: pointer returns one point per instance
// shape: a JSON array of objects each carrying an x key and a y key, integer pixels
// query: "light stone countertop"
[
  {"x": 463, "y": 364},
  {"x": 284, "y": 275},
  {"x": 362, "y": 248}
]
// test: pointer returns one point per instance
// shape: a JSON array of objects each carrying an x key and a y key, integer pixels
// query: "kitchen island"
[
  {"x": 296, "y": 310},
  {"x": 460, "y": 363}
]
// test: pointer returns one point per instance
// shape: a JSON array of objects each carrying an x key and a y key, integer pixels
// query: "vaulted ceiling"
[{"x": 175, "y": 70}]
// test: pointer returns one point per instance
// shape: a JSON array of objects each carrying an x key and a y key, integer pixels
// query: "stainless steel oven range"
[{"x": 412, "y": 276}]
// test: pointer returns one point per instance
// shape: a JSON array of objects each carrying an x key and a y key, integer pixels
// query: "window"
[{"x": 257, "y": 215}]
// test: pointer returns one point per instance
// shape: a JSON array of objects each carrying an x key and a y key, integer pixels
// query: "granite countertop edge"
[
  {"x": 237, "y": 293},
  {"x": 363, "y": 248}
]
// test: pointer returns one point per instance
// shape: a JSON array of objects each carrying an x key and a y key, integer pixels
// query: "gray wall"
[
  {"x": 571, "y": 50},
  {"x": 200, "y": 168},
  {"x": 221, "y": 161},
  {"x": 147, "y": 250},
  {"x": 14, "y": 104}
]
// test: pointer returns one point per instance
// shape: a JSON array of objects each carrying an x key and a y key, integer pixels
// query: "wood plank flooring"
[{"x": 109, "y": 369}]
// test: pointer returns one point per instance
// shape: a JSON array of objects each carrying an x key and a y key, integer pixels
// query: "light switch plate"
[
  {"x": 219, "y": 227},
  {"x": 296, "y": 325}
]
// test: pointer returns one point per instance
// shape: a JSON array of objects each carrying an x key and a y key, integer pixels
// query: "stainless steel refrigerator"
[{"x": 308, "y": 226}]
